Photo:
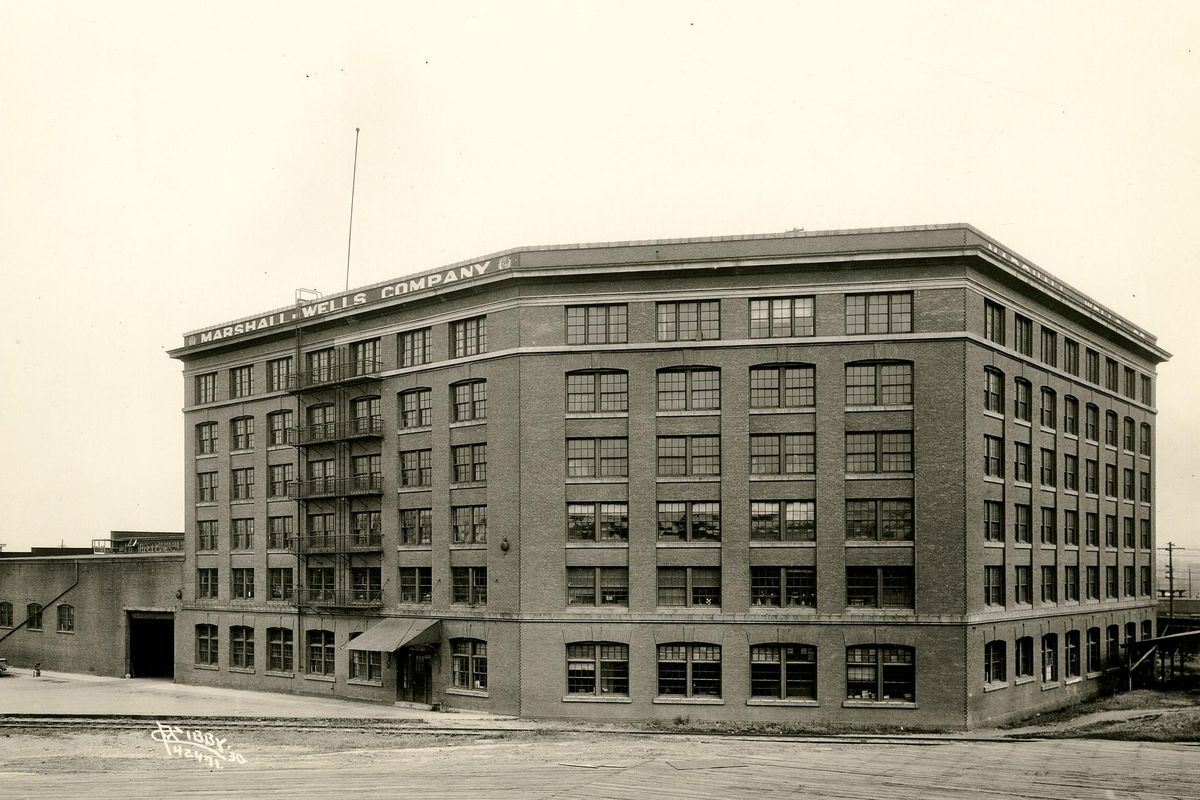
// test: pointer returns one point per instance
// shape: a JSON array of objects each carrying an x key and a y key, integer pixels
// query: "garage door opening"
[{"x": 151, "y": 644}]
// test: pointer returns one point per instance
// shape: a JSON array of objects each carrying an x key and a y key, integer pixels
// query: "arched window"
[
  {"x": 597, "y": 391},
  {"x": 468, "y": 664},
  {"x": 1091, "y": 423},
  {"x": 279, "y": 649},
  {"x": 279, "y": 424},
  {"x": 364, "y": 411},
  {"x": 33, "y": 613},
  {"x": 689, "y": 389},
  {"x": 1022, "y": 397},
  {"x": 469, "y": 400},
  {"x": 66, "y": 618},
  {"x": 689, "y": 670},
  {"x": 782, "y": 386},
  {"x": 993, "y": 390},
  {"x": 598, "y": 668},
  {"x": 1050, "y": 658},
  {"x": 241, "y": 647},
  {"x": 241, "y": 430},
  {"x": 321, "y": 653},
  {"x": 207, "y": 647},
  {"x": 415, "y": 408},
  {"x": 1144, "y": 447},
  {"x": 879, "y": 383},
  {"x": 1071, "y": 415},
  {"x": 206, "y": 438},
  {"x": 1110, "y": 428},
  {"x": 1127, "y": 436},
  {"x": 881, "y": 672},
  {"x": 322, "y": 423},
  {"x": 783, "y": 671},
  {"x": 1049, "y": 408}
]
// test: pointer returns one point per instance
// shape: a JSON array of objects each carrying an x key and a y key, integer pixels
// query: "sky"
[{"x": 166, "y": 166}]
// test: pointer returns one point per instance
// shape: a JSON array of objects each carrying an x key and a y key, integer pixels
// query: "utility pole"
[{"x": 1170, "y": 548}]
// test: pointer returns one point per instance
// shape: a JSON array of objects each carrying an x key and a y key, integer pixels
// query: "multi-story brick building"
[{"x": 897, "y": 476}]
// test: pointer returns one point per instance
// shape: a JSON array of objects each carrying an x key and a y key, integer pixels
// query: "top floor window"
[
  {"x": 1147, "y": 391},
  {"x": 993, "y": 322},
  {"x": 279, "y": 371},
  {"x": 689, "y": 389},
  {"x": 678, "y": 322},
  {"x": 415, "y": 348},
  {"x": 781, "y": 317},
  {"x": 782, "y": 386},
  {"x": 470, "y": 400},
  {"x": 206, "y": 387},
  {"x": 320, "y": 365},
  {"x": 1071, "y": 356},
  {"x": 241, "y": 381},
  {"x": 1049, "y": 347},
  {"x": 879, "y": 384},
  {"x": 591, "y": 392},
  {"x": 879, "y": 313},
  {"x": 594, "y": 325},
  {"x": 1112, "y": 371},
  {"x": 1093, "y": 366},
  {"x": 468, "y": 337},
  {"x": 365, "y": 357},
  {"x": 1024, "y": 336},
  {"x": 1130, "y": 388}
]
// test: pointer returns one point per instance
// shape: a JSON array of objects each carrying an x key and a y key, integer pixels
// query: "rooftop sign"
[{"x": 380, "y": 293}]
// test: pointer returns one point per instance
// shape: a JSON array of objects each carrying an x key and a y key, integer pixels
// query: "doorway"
[
  {"x": 151, "y": 644},
  {"x": 414, "y": 683}
]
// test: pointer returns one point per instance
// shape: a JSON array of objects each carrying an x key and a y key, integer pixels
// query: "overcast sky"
[{"x": 169, "y": 165}]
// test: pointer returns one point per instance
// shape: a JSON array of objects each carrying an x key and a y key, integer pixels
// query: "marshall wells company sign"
[{"x": 404, "y": 288}]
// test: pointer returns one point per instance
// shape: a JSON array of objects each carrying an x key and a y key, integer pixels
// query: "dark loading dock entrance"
[
  {"x": 415, "y": 679},
  {"x": 151, "y": 644}
]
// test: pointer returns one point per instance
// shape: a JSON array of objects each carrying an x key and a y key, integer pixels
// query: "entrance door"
[
  {"x": 415, "y": 684},
  {"x": 151, "y": 644}
]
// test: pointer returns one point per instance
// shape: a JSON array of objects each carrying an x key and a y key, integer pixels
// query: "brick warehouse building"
[{"x": 896, "y": 476}]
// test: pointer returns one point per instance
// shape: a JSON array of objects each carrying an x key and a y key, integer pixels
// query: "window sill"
[
  {"x": 782, "y": 543},
  {"x": 796, "y": 410},
  {"x": 1072, "y": 436},
  {"x": 995, "y": 545},
  {"x": 879, "y": 543},
  {"x": 413, "y": 489},
  {"x": 879, "y": 476},
  {"x": 277, "y": 498},
  {"x": 766, "y": 609},
  {"x": 1022, "y": 484},
  {"x": 321, "y": 678},
  {"x": 807, "y": 476},
  {"x": 242, "y": 670},
  {"x": 72, "y": 633},
  {"x": 1024, "y": 423},
  {"x": 597, "y": 415},
  {"x": 878, "y": 704},
  {"x": 685, "y": 545},
  {"x": 580, "y": 698},
  {"x": 1071, "y": 492},
  {"x": 703, "y": 412},
  {"x": 993, "y": 479},
  {"x": 468, "y": 546},
  {"x": 992, "y": 687},
  {"x": 205, "y": 456},
  {"x": 1051, "y": 685},
  {"x": 688, "y": 479},
  {"x": 272, "y": 674},
  {"x": 689, "y": 701},
  {"x": 365, "y": 682},
  {"x": 242, "y": 501},
  {"x": 584, "y": 544},
  {"x": 1070, "y": 681},
  {"x": 993, "y": 414},
  {"x": 411, "y": 548},
  {"x": 1044, "y": 429},
  {"x": 1094, "y": 675},
  {"x": 765, "y": 701},
  {"x": 1021, "y": 681},
  {"x": 206, "y": 504},
  {"x": 241, "y": 451},
  {"x": 466, "y": 692},
  {"x": 468, "y": 423},
  {"x": 469, "y": 485},
  {"x": 212, "y": 667},
  {"x": 899, "y": 407},
  {"x": 280, "y": 446},
  {"x": 585, "y": 480},
  {"x": 418, "y": 429},
  {"x": 1023, "y": 545}
]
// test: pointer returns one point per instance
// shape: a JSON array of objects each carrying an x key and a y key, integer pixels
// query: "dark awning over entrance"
[{"x": 393, "y": 633}]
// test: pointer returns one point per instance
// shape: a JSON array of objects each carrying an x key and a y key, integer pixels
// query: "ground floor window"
[
  {"x": 1093, "y": 650},
  {"x": 1050, "y": 658},
  {"x": 881, "y": 672},
  {"x": 6, "y": 619},
  {"x": 365, "y": 665},
  {"x": 241, "y": 647},
  {"x": 995, "y": 668},
  {"x": 689, "y": 670},
  {"x": 783, "y": 671},
  {"x": 66, "y": 618},
  {"x": 598, "y": 668},
  {"x": 1025, "y": 657},
  {"x": 469, "y": 663},
  {"x": 33, "y": 613},
  {"x": 206, "y": 645},
  {"x": 1073, "y": 655},
  {"x": 320, "y": 653},
  {"x": 279, "y": 649}
]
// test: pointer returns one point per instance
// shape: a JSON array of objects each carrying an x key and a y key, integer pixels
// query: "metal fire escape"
[{"x": 338, "y": 541}]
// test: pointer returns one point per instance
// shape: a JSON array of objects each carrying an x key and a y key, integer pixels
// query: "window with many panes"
[
  {"x": 1024, "y": 660},
  {"x": 321, "y": 652},
  {"x": 242, "y": 484},
  {"x": 993, "y": 456},
  {"x": 366, "y": 584},
  {"x": 879, "y": 384},
  {"x": 469, "y": 524},
  {"x": 1049, "y": 347},
  {"x": 689, "y": 521},
  {"x": 879, "y": 313},
  {"x": 783, "y": 587},
  {"x": 781, "y": 317},
  {"x": 598, "y": 458},
  {"x": 205, "y": 388},
  {"x": 206, "y": 487},
  {"x": 279, "y": 425},
  {"x": 597, "y": 392},
  {"x": 993, "y": 521},
  {"x": 278, "y": 478},
  {"x": 469, "y": 463},
  {"x": 689, "y": 455},
  {"x": 365, "y": 665},
  {"x": 206, "y": 535},
  {"x": 689, "y": 389},
  {"x": 883, "y": 520},
  {"x": 242, "y": 582},
  {"x": 689, "y": 586},
  {"x": 1024, "y": 335},
  {"x": 415, "y": 408},
  {"x": 995, "y": 666},
  {"x": 689, "y": 321},
  {"x": 241, "y": 534},
  {"x": 468, "y": 585},
  {"x": 879, "y": 587},
  {"x": 241, "y": 647},
  {"x": 879, "y": 452},
  {"x": 366, "y": 528},
  {"x": 597, "y": 586},
  {"x": 280, "y": 585},
  {"x": 241, "y": 381},
  {"x": 783, "y": 671},
  {"x": 66, "y": 618},
  {"x": 207, "y": 647},
  {"x": 783, "y": 454},
  {"x": 469, "y": 400},
  {"x": 279, "y": 373},
  {"x": 782, "y": 386},
  {"x": 881, "y": 673},
  {"x": 416, "y": 585},
  {"x": 206, "y": 583},
  {"x": 416, "y": 468},
  {"x": 993, "y": 322},
  {"x": 600, "y": 324},
  {"x": 468, "y": 337},
  {"x": 598, "y": 669},
  {"x": 783, "y": 520},
  {"x": 689, "y": 670},
  {"x": 468, "y": 664},
  {"x": 280, "y": 651},
  {"x": 416, "y": 347},
  {"x": 206, "y": 438},
  {"x": 993, "y": 585},
  {"x": 598, "y": 522}
]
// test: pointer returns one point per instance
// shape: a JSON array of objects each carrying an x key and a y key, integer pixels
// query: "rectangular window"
[
  {"x": 1049, "y": 473},
  {"x": 993, "y": 456},
  {"x": 1144, "y": 487},
  {"x": 689, "y": 522},
  {"x": 279, "y": 476},
  {"x": 243, "y": 583},
  {"x": 1071, "y": 356},
  {"x": 206, "y": 388},
  {"x": 1093, "y": 582},
  {"x": 280, "y": 587},
  {"x": 416, "y": 526},
  {"x": 1073, "y": 654},
  {"x": 1147, "y": 390},
  {"x": 1112, "y": 374},
  {"x": 1021, "y": 468},
  {"x": 321, "y": 652},
  {"x": 598, "y": 669},
  {"x": 469, "y": 524},
  {"x": 241, "y": 381},
  {"x": 241, "y": 534},
  {"x": 1049, "y": 347},
  {"x": 607, "y": 324},
  {"x": 783, "y": 520},
  {"x": 1130, "y": 581},
  {"x": 689, "y": 455},
  {"x": 468, "y": 585},
  {"x": 689, "y": 389},
  {"x": 1022, "y": 522},
  {"x": 469, "y": 401},
  {"x": 416, "y": 468},
  {"x": 279, "y": 649},
  {"x": 597, "y": 586},
  {"x": 1024, "y": 335},
  {"x": 882, "y": 520},
  {"x": 1023, "y": 584},
  {"x": 598, "y": 458},
  {"x": 993, "y": 322},
  {"x": 1071, "y": 583},
  {"x": 1071, "y": 527},
  {"x": 689, "y": 586},
  {"x": 879, "y": 313},
  {"x": 993, "y": 585},
  {"x": 597, "y": 522},
  {"x": 1129, "y": 537},
  {"x": 1022, "y": 400},
  {"x": 880, "y": 672},
  {"x": 279, "y": 424},
  {"x": 782, "y": 386},
  {"x": 1049, "y": 409},
  {"x": 1050, "y": 658},
  {"x": 469, "y": 463},
  {"x": 206, "y": 584},
  {"x": 1110, "y": 531},
  {"x": 415, "y": 408},
  {"x": 1093, "y": 366},
  {"x": 993, "y": 521},
  {"x": 243, "y": 484},
  {"x": 279, "y": 373},
  {"x": 689, "y": 321},
  {"x": 415, "y": 348},
  {"x": 1130, "y": 383},
  {"x": 1024, "y": 652},
  {"x": 416, "y": 585},
  {"x": 879, "y": 384},
  {"x": 781, "y": 317},
  {"x": 1144, "y": 439},
  {"x": 1094, "y": 662},
  {"x": 1144, "y": 525},
  {"x": 241, "y": 647},
  {"x": 1147, "y": 581},
  {"x": 879, "y": 587},
  {"x": 206, "y": 645},
  {"x": 206, "y": 535},
  {"x": 468, "y": 337},
  {"x": 1071, "y": 416},
  {"x": 1111, "y": 590},
  {"x": 879, "y": 452},
  {"x": 783, "y": 454},
  {"x": 597, "y": 392},
  {"x": 468, "y": 664},
  {"x": 366, "y": 665},
  {"x": 206, "y": 438},
  {"x": 1071, "y": 472},
  {"x": 786, "y": 587},
  {"x": 689, "y": 670},
  {"x": 994, "y": 666}
]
